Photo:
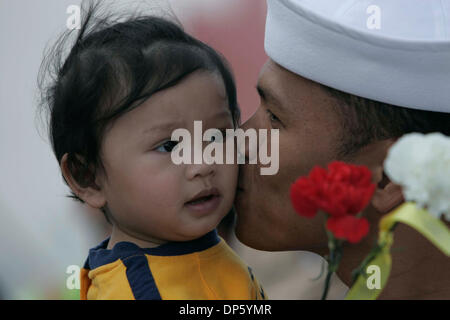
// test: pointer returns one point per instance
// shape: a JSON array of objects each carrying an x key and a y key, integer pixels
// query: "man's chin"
[
  {"x": 249, "y": 230},
  {"x": 247, "y": 234},
  {"x": 256, "y": 235},
  {"x": 250, "y": 241},
  {"x": 244, "y": 229},
  {"x": 254, "y": 229},
  {"x": 255, "y": 241}
]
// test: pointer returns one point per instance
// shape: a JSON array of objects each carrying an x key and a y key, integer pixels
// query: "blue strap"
[{"x": 140, "y": 278}]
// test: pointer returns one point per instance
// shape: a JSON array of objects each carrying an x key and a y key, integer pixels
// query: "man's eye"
[
  {"x": 272, "y": 117},
  {"x": 167, "y": 146}
]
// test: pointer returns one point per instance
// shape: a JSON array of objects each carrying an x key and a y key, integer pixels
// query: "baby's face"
[{"x": 147, "y": 194}]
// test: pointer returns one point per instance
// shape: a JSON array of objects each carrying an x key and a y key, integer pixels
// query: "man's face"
[{"x": 309, "y": 135}]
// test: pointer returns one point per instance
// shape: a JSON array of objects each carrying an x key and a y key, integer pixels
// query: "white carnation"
[{"x": 421, "y": 165}]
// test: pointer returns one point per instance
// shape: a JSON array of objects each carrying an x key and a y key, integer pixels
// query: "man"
[{"x": 343, "y": 82}]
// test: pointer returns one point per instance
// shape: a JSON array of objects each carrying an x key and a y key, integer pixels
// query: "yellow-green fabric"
[{"x": 410, "y": 214}]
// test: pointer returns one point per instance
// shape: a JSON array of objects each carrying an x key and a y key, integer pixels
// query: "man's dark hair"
[
  {"x": 365, "y": 121},
  {"x": 113, "y": 66}
]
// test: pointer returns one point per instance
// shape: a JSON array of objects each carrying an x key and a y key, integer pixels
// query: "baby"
[{"x": 114, "y": 103}]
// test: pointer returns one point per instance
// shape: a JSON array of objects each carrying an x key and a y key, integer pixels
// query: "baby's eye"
[{"x": 167, "y": 146}]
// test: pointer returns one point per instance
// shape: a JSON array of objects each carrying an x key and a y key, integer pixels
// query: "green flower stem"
[
  {"x": 360, "y": 270},
  {"x": 335, "y": 247},
  {"x": 372, "y": 255}
]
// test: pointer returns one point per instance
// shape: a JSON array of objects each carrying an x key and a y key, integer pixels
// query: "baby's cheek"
[{"x": 161, "y": 191}]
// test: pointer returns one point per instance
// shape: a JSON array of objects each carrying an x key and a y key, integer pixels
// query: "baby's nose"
[{"x": 199, "y": 170}]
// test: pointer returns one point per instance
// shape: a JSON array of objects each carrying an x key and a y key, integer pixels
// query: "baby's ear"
[
  {"x": 89, "y": 192},
  {"x": 387, "y": 195}
]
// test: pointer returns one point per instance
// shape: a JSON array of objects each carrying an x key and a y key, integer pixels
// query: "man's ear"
[
  {"x": 90, "y": 194},
  {"x": 387, "y": 195}
]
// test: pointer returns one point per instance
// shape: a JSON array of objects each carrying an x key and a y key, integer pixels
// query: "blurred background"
[{"x": 44, "y": 236}]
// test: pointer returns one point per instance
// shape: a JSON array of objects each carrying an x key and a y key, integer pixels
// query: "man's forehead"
[
  {"x": 275, "y": 76},
  {"x": 284, "y": 87},
  {"x": 270, "y": 81},
  {"x": 268, "y": 67}
]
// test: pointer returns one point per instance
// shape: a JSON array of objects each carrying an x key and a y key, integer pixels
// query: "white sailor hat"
[{"x": 393, "y": 51}]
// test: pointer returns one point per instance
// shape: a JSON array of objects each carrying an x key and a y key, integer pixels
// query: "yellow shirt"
[{"x": 201, "y": 269}]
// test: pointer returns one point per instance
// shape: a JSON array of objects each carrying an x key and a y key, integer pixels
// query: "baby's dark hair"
[{"x": 113, "y": 66}]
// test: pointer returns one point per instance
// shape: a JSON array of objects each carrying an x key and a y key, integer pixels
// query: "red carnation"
[
  {"x": 342, "y": 191},
  {"x": 304, "y": 197},
  {"x": 348, "y": 228}
]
